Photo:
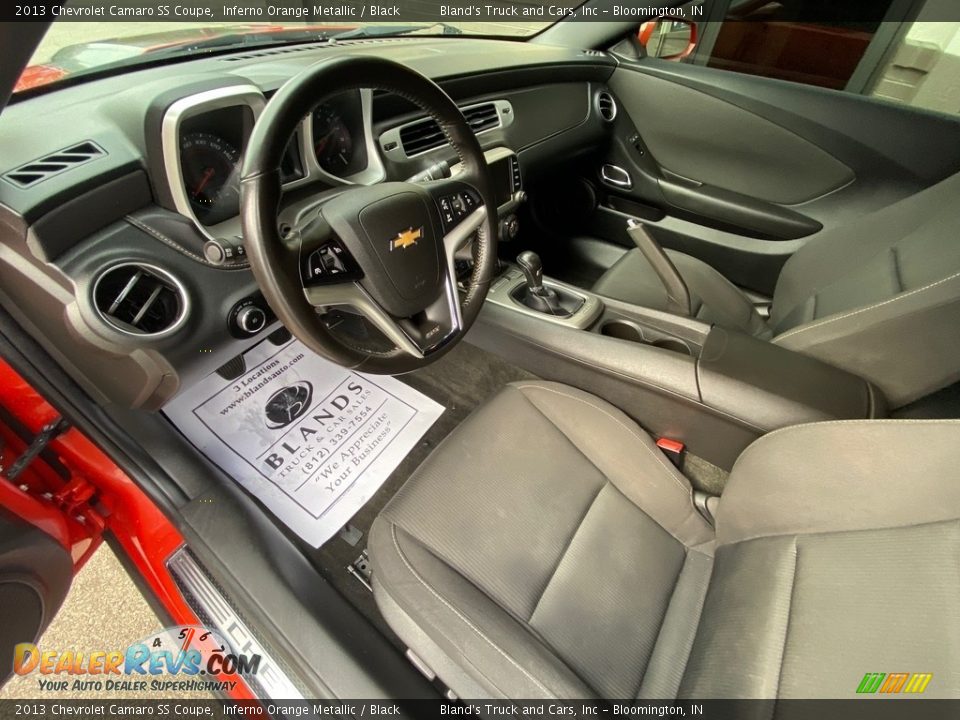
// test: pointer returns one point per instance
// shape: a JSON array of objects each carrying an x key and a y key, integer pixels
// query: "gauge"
[
  {"x": 211, "y": 176},
  {"x": 332, "y": 140}
]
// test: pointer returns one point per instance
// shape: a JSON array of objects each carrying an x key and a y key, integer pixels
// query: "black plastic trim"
[{"x": 728, "y": 210}]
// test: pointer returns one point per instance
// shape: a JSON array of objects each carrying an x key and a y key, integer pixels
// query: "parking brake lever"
[{"x": 678, "y": 296}]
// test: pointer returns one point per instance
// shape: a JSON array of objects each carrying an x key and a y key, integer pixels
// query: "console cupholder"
[
  {"x": 623, "y": 330},
  {"x": 673, "y": 345}
]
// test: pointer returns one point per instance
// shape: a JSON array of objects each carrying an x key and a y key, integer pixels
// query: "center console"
[
  {"x": 567, "y": 306},
  {"x": 714, "y": 389}
]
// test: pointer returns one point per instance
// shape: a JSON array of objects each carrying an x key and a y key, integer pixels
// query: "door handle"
[{"x": 616, "y": 175}]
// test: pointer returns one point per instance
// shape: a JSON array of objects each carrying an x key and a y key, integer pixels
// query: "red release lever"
[{"x": 671, "y": 446}]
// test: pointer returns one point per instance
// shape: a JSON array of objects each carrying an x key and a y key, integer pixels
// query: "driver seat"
[
  {"x": 548, "y": 549},
  {"x": 879, "y": 296}
]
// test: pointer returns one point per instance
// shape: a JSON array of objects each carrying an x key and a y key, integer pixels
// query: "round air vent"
[
  {"x": 606, "y": 106},
  {"x": 140, "y": 299}
]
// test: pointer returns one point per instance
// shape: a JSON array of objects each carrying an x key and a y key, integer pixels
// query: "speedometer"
[
  {"x": 211, "y": 176},
  {"x": 332, "y": 141}
]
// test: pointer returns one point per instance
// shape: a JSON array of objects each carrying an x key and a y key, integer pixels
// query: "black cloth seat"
[
  {"x": 879, "y": 296},
  {"x": 548, "y": 549}
]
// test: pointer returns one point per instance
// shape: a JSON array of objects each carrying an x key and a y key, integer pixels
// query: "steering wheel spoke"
[
  {"x": 418, "y": 335},
  {"x": 462, "y": 214},
  {"x": 352, "y": 295},
  {"x": 459, "y": 236},
  {"x": 440, "y": 322}
]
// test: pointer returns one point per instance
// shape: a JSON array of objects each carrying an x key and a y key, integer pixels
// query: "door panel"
[
  {"x": 741, "y": 170},
  {"x": 749, "y": 213},
  {"x": 712, "y": 141}
]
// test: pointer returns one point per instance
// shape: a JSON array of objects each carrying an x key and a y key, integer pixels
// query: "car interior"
[{"x": 696, "y": 334}]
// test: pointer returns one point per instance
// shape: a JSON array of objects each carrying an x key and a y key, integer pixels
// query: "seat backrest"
[
  {"x": 880, "y": 296},
  {"x": 837, "y": 552}
]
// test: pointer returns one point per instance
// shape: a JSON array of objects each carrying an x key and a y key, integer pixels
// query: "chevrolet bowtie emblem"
[{"x": 405, "y": 239}]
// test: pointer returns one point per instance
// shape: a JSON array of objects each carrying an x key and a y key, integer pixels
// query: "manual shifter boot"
[{"x": 536, "y": 296}]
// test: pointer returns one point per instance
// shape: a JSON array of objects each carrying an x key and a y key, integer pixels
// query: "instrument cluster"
[{"x": 211, "y": 146}]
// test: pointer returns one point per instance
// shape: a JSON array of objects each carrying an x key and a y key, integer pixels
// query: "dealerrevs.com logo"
[{"x": 178, "y": 659}]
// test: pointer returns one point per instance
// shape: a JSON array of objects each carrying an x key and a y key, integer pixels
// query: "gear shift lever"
[
  {"x": 536, "y": 295},
  {"x": 532, "y": 268}
]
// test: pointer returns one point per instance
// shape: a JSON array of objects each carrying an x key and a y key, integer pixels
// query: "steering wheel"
[{"x": 385, "y": 251}]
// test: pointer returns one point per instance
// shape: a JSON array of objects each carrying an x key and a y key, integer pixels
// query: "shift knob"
[{"x": 532, "y": 268}]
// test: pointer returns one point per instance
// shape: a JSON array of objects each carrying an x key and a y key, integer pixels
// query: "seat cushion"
[
  {"x": 547, "y": 549},
  {"x": 839, "y": 555},
  {"x": 715, "y": 299},
  {"x": 546, "y": 502}
]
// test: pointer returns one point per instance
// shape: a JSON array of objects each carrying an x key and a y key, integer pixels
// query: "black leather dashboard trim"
[
  {"x": 179, "y": 233},
  {"x": 82, "y": 216}
]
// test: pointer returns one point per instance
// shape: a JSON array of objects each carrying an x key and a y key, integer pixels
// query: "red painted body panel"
[
  {"x": 38, "y": 75},
  {"x": 52, "y": 503}
]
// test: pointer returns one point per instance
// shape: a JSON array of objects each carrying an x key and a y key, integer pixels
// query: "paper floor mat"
[{"x": 311, "y": 440}]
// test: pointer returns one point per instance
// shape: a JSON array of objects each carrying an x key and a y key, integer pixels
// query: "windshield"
[{"x": 73, "y": 47}]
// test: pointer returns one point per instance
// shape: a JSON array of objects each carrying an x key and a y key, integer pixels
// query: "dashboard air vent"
[
  {"x": 140, "y": 299},
  {"x": 606, "y": 106},
  {"x": 55, "y": 163},
  {"x": 482, "y": 117},
  {"x": 277, "y": 51},
  {"x": 423, "y": 135}
]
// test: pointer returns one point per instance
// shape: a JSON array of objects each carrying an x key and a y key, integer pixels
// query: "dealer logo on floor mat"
[{"x": 287, "y": 404}]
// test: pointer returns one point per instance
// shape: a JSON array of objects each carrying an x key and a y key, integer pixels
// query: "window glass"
[
  {"x": 810, "y": 53},
  {"x": 923, "y": 68},
  {"x": 808, "y": 41},
  {"x": 816, "y": 42},
  {"x": 855, "y": 45}
]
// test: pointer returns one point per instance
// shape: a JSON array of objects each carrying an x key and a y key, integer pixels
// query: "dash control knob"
[
  {"x": 251, "y": 319},
  {"x": 509, "y": 228},
  {"x": 221, "y": 251}
]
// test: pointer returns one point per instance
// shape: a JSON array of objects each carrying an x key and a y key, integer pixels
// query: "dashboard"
[{"x": 151, "y": 178}]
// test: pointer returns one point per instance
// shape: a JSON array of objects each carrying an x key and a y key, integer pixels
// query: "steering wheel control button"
[
  {"x": 251, "y": 320},
  {"x": 446, "y": 210},
  {"x": 456, "y": 206},
  {"x": 329, "y": 263}
]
